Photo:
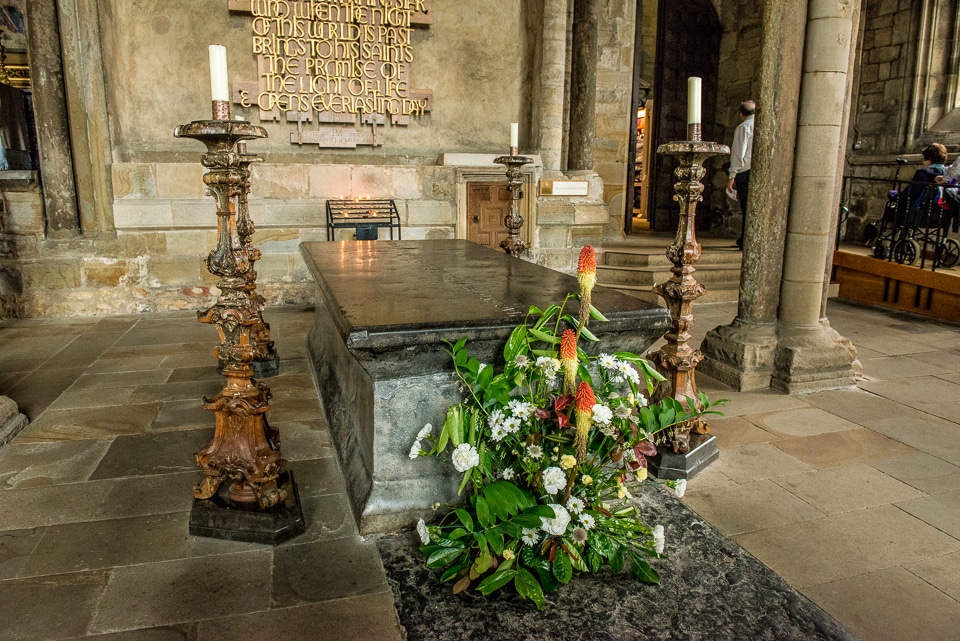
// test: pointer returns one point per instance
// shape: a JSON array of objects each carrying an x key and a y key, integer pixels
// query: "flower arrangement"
[{"x": 551, "y": 447}]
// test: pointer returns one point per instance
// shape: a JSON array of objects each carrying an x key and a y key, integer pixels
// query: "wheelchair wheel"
[
  {"x": 948, "y": 253},
  {"x": 905, "y": 251},
  {"x": 879, "y": 251}
]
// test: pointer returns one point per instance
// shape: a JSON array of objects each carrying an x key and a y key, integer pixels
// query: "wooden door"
[{"x": 487, "y": 205}]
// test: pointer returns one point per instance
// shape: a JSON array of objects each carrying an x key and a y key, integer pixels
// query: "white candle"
[
  {"x": 514, "y": 134},
  {"x": 693, "y": 100},
  {"x": 219, "y": 86}
]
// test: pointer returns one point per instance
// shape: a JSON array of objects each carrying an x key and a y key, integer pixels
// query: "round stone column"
[
  {"x": 50, "y": 109},
  {"x": 741, "y": 354},
  {"x": 583, "y": 85},
  {"x": 553, "y": 64},
  {"x": 810, "y": 355}
]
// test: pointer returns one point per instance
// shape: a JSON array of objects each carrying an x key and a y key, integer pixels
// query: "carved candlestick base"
[
  {"x": 513, "y": 221},
  {"x": 677, "y": 361}
]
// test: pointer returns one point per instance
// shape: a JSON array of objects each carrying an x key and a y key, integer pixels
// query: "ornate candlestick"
[
  {"x": 260, "y": 503},
  {"x": 677, "y": 361},
  {"x": 513, "y": 221}
]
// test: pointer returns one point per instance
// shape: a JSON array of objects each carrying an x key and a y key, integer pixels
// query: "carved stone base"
[
  {"x": 12, "y": 422},
  {"x": 740, "y": 355},
  {"x": 267, "y": 368},
  {"x": 669, "y": 465},
  {"x": 813, "y": 360},
  {"x": 221, "y": 518}
]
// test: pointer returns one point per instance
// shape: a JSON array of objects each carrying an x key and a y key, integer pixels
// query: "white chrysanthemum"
[
  {"x": 575, "y": 504},
  {"x": 415, "y": 450},
  {"x": 602, "y": 414},
  {"x": 495, "y": 417},
  {"x": 658, "y": 539},
  {"x": 508, "y": 474},
  {"x": 497, "y": 433},
  {"x": 680, "y": 487},
  {"x": 423, "y": 432},
  {"x": 607, "y": 361},
  {"x": 423, "y": 532},
  {"x": 465, "y": 457},
  {"x": 579, "y": 535},
  {"x": 522, "y": 409},
  {"x": 530, "y": 537},
  {"x": 521, "y": 361},
  {"x": 535, "y": 451},
  {"x": 568, "y": 461},
  {"x": 587, "y": 521},
  {"x": 556, "y": 526},
  {"x": 625, "y": 370},
  {"x": 554, "y": 480},
  {"x": 511, "y": 424}
]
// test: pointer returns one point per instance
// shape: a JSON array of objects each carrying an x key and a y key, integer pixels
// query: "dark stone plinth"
[
  {"x": 221, "y": 518},
  {"x": 266, "y": 368},
  {"x": 668, "y": 465},
  {"x": 710, "y": 589},
  {"x": 377, "y": 348}
]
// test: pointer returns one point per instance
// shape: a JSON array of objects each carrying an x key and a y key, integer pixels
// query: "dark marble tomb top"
[{"x": 390, "y": 294}]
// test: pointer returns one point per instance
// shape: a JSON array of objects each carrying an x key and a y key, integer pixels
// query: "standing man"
[{"x": 741, "y": 152}]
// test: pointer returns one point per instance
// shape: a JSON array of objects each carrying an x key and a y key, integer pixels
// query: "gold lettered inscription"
[{"x": 334, "y": 60}]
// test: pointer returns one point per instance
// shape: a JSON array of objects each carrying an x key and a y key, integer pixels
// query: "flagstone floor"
[{"x": 853, "y": 496}]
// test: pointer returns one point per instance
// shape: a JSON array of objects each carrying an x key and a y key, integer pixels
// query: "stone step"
[
  {"x": 707, "y": 275},
  {"x": 649, "y": 256},
  {"x": 718, "y": 295}
]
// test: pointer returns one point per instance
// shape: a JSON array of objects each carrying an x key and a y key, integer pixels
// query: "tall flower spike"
[
  {"x": 569, "y": 361},
  {"x": 584, "y": 412},
  {"x": 587, "y": 277}
]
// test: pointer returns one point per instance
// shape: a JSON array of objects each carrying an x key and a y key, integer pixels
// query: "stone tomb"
[{"x": 383, "y": 312}]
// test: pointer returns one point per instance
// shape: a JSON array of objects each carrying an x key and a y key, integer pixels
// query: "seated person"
[{"x": 918, "y": 202}]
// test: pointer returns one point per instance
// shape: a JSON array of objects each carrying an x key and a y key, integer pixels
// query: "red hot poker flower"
[
  {"x": 584, "y": 413},
  {"x": 568, "y": 359},
  {"x": 587, "y": 277}
]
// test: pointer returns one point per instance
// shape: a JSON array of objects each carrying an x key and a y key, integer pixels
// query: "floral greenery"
[{"x": 551, "y": 448}]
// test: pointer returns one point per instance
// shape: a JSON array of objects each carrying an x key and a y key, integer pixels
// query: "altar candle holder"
[
  {"x": 245, "y": 449},
  {"x": 677, "y": 361},
  {"x": 513, "y": 221}
]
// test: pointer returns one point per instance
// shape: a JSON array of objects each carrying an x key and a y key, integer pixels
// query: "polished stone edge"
[
  {"x": 220, "y": 518},
  {"x": 668, "y": 465}
]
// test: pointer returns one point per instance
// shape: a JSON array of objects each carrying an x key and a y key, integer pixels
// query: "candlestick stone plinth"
[
  {"x": 259, "y": 501},
  {"x": 513, "y": 221},
  {"x": 677, "y": 360}
]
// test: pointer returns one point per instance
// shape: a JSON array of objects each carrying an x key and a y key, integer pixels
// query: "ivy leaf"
[{"x": 528, "y": 587}]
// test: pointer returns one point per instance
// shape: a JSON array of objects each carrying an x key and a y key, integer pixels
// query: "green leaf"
[
  {"x": 596, "y": 315},
  {"x": 529, "y": 521},
  {"x": 458, "y": 533},
  {"x": 495, "y": 539},
  {"x": 541, "y": 510},
  {"x": 594, "y": 560},
  {"x": 533, "y": 560},
  {"x": 450, "y": 573},
  {"x": 443, "y": 557},
  {"x": 516, "y": 343},
  {"x": 507, "y": 499},
  {"x": 484, "y": 514},
  {"x": 667, "y": 417},
  {"x": 497, "y": 580},
  {"x": 543, "y": 336},
  {"x": 486, "y": 375},
  {"x": 528, "y": 587},
  {"x": 642, "y": 570},
  {"x": 465, "y": 518},
  {"x": 615, "y": 558},
  {"x": 482, "y": 563},
  {"x": 562, "y": 568}
]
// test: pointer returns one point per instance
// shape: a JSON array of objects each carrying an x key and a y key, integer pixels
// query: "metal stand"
[
  {"x": 513, "y": 221},
  {"x": 677, "y": 361},
  {"x": 245, "y": 449}
]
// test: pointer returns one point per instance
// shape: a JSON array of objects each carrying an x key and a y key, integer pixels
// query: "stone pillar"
[
  {"x": 811, "y": 355},
  {"x": 741, "y": 354},
  {"x": 583, "y": 85},
  {"x": 50, "y": 109},
  {"x": 553, "y": 63}
]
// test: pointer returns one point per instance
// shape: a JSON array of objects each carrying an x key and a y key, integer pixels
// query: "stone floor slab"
[
  {"x": 86, "y": 398},
  {"x": 188, "y": 390},
  {"x": 846, "y": 488},
  {"x": 750, "y": 507},
  {"x": 917, "y": 392},
  {"x": 155, "y": 453},
  {"x": 943, "y": 572},
  {"x": 49, "y": 607},
  {"x": 755, "y": 462},
  {"x": 363, "y": 618},
  {"x": 38, "y": 389},
  {"x": 761, "y": 402},
  {"x": 843, "y": 448},
  {"x": 942, "y": 511},
  {"x": 883, "y": 606},
  {"x": 35, "y": 464},
  {"x": 171, "y": 592},
  {"x": 802, "y": 421},
  {"x": 736, "y": 431},
  {"x": 892, "y": 368},
  {"x": 15, "y": 549},
  {"x": 112, "y": 380},
  {"x": 104, "y": 422},
  {"x": 326, "y": 570},
  {"x": 316, "y": 477},
  {"x": 847, "y": 544},
  {"x": 143, "y": 495},
  {"x": 51, "y": 505},
  {"x": 182, "y": 415}
]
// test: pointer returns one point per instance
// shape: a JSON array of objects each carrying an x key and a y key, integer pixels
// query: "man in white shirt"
[{"x": 741, "y": 152}]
